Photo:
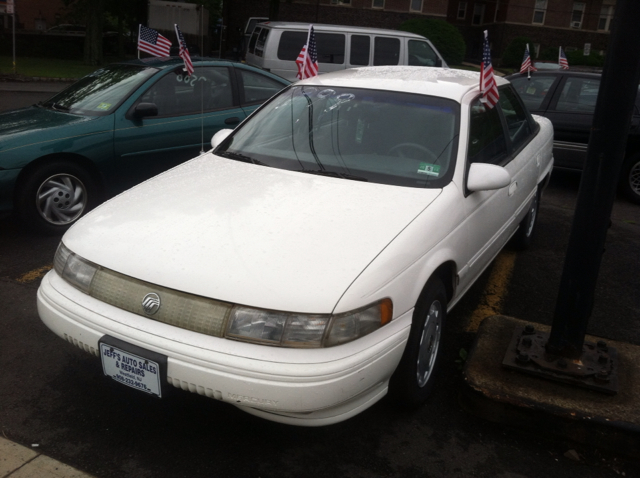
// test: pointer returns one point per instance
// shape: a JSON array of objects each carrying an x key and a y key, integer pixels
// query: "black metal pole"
[{"x": 605, "y": 155}]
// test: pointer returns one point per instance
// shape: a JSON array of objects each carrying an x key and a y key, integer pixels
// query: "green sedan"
[{"x": 116, "y": 127}]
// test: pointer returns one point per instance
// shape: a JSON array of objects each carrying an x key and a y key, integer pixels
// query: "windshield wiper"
[
  {"x": 59, "y": 107},
  {"x": 333, "y": 174},
  {"x": 241, "y": 157}
]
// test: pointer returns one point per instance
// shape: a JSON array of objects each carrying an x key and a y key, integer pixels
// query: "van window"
[
  {"x": 330, "y": 46},
  {"x": 262, "y": 38},
  {"x": 421, "y": 54},
  {"x": 254, "y": 39},
  {"x": 360, "y": 48},
  {"x": 386, "y": 51}
]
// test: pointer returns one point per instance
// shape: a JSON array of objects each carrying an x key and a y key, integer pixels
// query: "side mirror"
[
  {"x": 486, "y": 177},
  {"x": 143, "y": 110},
  {"x": 219, "y": 137}
]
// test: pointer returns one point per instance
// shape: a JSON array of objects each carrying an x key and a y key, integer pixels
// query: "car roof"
[
  {"x": 172, "y": 61},
  {"x": 583, "y": 74},
  {"x": 322, "y": 27},
  {"x": 443, "y": 82}
]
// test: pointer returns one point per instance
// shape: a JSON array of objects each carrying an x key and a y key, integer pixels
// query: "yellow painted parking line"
[
  {"x": 495, "y": 291},
  {"x": 34, "y": 275}
]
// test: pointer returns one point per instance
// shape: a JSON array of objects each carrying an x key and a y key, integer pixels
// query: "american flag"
[
  {"x": 184, "y": 51},
  {"x": 562, "y": 60},
  {"x": 488, "y": 85},
  {"x": 307, "y": 60},
  {"x": 152, "y": 42},
  {"x": 527, "y": 66}
]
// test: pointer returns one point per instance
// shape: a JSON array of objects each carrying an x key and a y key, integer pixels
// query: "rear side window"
[
  {"x": 360, "y": 49},
  {"x": 262, "y": 39},
  {"x": 517, "y": 118},
  {"x": 253, "y": 40},
  {"x": 257, "y": 88},
  {"x": 579, "y": 95},
  {"x": 487, "y": 143},
  {"x": 331, "y": 46},
  {"x": 386, "y": 51}
]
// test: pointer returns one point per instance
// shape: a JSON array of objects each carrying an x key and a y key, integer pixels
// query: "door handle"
[{"x": 234, "y": 120}]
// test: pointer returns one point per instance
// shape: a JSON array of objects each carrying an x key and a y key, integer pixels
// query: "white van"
[{"x": 274, "y": 46}]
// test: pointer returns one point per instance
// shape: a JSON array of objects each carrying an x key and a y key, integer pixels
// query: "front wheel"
[
  {"x": 54, "y": 196},
  {"x": 630, "y": 179},
  {"x": 414, "y": 379}
]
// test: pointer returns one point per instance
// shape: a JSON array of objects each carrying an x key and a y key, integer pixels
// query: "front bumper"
[{"x": 310, "y": 387}]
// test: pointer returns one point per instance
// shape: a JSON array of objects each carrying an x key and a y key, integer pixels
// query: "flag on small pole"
[
  {"x": 307, "y": 60},
  {"x": 184, "y": 51},
  {"x": 562, "y": 60},
  {"x": 527, "y": 67},
  {"x": 488, "y": 85},
  {"x": 150, "y": 41}
]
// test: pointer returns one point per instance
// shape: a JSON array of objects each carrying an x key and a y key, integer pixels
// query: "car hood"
[
  {"x": 248, "y": 234},
  {"x": 34, "y": 121}
]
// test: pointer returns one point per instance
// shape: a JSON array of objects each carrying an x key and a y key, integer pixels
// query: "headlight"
[
  {"x": 306, "y": 330},
  {"x": 221, "y": 319},
  {"x": 74, "y": 269}
]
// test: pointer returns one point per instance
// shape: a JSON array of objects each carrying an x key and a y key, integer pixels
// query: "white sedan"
[{"x": 305, "y": 266}]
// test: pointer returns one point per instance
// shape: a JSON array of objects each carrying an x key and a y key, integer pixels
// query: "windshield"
[
  {"x": 369, "y": 135},
  {"x": 102, "y": 91}
]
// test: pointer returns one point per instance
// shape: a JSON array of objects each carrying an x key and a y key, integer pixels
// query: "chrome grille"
[{"x": 190, "y": 312}]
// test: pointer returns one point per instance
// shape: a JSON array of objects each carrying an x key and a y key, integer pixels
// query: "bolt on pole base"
[{"x": 596, "y": 369}]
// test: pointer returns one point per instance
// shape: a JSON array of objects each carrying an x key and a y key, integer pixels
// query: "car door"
[
  {"x": 190, "y": 110},
  {"x": 501, "y": 136},
  {"x": 571, "y": 112}
]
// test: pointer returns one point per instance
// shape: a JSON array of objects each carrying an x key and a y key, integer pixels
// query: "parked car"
[
  {"x": 568, "y": 99},
  {"x": 275, "y": 46},
  {"x": 114, "y": 128},
  {"x": 308, "y": 262}
]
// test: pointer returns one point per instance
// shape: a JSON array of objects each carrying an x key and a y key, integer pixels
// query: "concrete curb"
[
  {"x": 553, "y": 408},
  {"x": 17, "y": 461}
]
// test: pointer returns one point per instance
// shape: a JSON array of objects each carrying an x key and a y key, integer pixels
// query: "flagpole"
[
  {"x": 306, "y": 51},
  {"x": 529, "y": 68},
  {"x": 139, "y": 28}
]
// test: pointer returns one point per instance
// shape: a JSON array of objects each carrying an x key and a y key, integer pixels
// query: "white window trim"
[
  {"x": 577, "y": 24},
  {"x": 373, "y": 4},
  {"x": 464, "y": 10},
  {"x": 544, "y": 13},
  {"x": 411, "y": 6}
]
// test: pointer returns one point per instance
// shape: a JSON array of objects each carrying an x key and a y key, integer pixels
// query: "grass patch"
[{"x": 45, "y": 67}]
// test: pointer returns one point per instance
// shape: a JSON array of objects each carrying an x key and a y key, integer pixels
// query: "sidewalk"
[{"x": 17, "y": 461}]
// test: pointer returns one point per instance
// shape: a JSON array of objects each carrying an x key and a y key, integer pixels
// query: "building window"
[
  {"x": 577, "y": 14},
  {"x": 340, "y": 2},
  {"x": 606, "y": 16},
  {"x": 539, "y": 12},
  {"x": 416, "y": 5},
  {"x": 462, "y": 10},
  {"x": 377, "y": 4},
  {"x": 478, "y": 14}
]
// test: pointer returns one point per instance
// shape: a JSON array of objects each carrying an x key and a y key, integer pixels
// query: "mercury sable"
[{"x": 304, "y": 267}]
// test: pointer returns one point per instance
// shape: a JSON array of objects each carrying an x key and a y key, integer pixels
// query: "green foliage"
[
  {"x": 444, "y": 36},
  {"x": 513, "y": 54},
  {"x": 577, "y": 58}
]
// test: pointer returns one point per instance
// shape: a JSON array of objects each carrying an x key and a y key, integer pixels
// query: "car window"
[
  {"x": 102, "y": 91},
  {"x": 386, "y": 51},
  {"x": 175, "y": 94},
  {"x": 378, "y": 136},
  {"x": 260, "y": 41},
  {"x": 579, "y": 95},
  {"x": 518, "y": 125},
  {"x": 533, "y": 91},
  {"x": 257, "y": 87},
  {"x": 421, "y": 54},
  {"x": 487, "y": 143},
  {"x": 331, "y": 46},
  {"x": 254, "y": 40},
  {"x": 360, "y": 49}
]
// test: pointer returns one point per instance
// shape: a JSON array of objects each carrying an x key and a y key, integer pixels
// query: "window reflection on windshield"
[
  {"x": 368, "y": 135},
  {"x": 102, "y": 91}
]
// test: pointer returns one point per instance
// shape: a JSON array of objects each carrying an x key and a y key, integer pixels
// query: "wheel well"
[
  {"x": 447, "y": 274},
  {"x": 81, "y": 161}
]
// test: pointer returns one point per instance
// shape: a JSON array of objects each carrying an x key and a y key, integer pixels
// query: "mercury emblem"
[{"x": 151, "y": 303}]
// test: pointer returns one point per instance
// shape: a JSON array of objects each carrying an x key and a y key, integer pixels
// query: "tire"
[
  {"x": 415, "y": 378},
  {"x": 630, "y": 179},
  {"x": 521, "y": 240},
  {"x": 54, "y": 196}
]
